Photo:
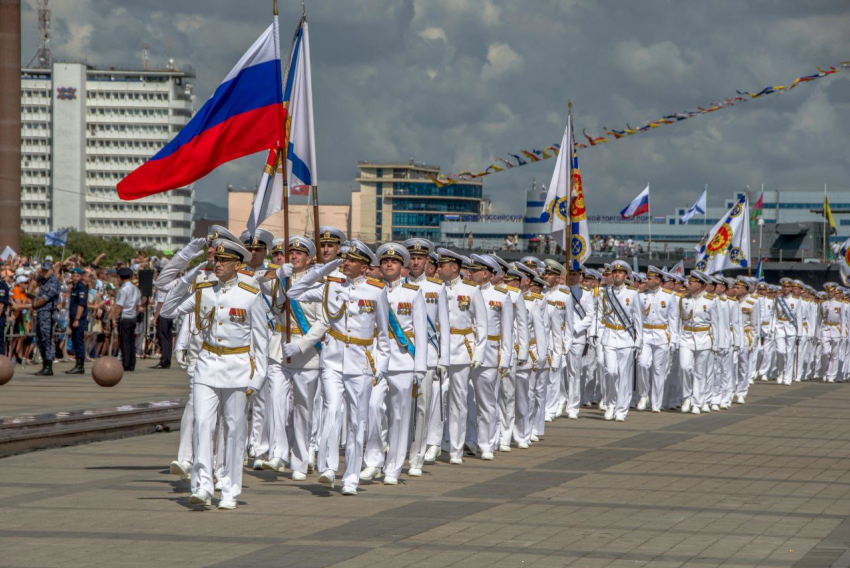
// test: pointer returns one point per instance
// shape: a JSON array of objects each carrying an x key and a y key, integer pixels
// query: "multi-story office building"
[
  {"x": 399, "y": 201},
  {"x": 83, "y": 129}
]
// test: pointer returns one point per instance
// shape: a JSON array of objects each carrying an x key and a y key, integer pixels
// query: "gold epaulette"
[
  {"x": 336, "y": 279},
  {"x": 631, "y": 287},
  {"x": 410, "y": 286},
  {"x": 501, "y": 289},
  {"x": 666, "y": 291},
  {"x": 197, "y": 285},
  {"x": 375, "y": 282},
  {"x": 679, "y": 294},
  {"x": 434, "y": 280},
  {"x": 246, "y": 271},
  {"x": 249, "y": 288},
  {"x": 512, "y": 288},
  {"x": 273, "y": 266},
  {"x": 565, "y": 290},
  {"x": 469, "y": 283},
  {"x": 710, "y": 296},
  {"x": 528, "y": 297},
  {"x": 536, "y": 296}
]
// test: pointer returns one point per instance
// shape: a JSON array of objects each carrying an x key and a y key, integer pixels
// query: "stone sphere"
[
  {"x": 7, "y": 369},
  {"x": 107, "y": 371}
]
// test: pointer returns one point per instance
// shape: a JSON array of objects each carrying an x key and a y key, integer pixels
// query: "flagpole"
[
  {"x": 749, "y": 244},
  {"x": 568, "y": 233},
  {"x": 649, "y": 219},
  {"x": 281, "y": 156},
  {"x": 825, "y": 221}
]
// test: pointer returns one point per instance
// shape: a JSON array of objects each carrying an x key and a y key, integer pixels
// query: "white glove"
[
  {"x": 291, "y": 350},
  {"x": 285, "y": 271},
  {"x": 503, "y": 371},
  {"x": 442, "y": 372},
  {"x": 418, "y": 377},
  {"x": 180, "y": 357},
  {"x": 378, "y": 378},
  {"x": 330, "y": 267},
  {"x": 190, "y": 276},
  {"x": 475, "y": 364},
  {"x": 194, "y": 248}
]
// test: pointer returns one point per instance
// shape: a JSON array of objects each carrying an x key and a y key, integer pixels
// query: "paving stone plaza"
[{"x": 764, "y": 484}]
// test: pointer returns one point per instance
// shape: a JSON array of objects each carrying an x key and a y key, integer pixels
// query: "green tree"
[{"x": 89, "y": 246}]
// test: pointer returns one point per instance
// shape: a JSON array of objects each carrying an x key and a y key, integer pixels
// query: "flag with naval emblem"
[{"x": 728, "y": 243}]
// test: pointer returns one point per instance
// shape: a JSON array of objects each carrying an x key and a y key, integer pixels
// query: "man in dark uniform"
[
  {"x": 45, "y": 306},
  {"x": 78, "y": 312},
  {"x": 4, "y": 303}
]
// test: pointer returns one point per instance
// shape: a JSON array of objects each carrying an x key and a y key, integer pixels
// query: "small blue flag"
[{"x": 57, "y": 238}]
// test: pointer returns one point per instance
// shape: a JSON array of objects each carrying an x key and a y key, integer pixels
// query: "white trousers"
[
  {"x": 234, "y": 409},
  {"x": 305, "y": 383},
  {"x": 422, "y": 409},
  {"x": 259, "y": 421},
  {"x": 351, "y": 392},
  {"x": 768, "y": 357},
  {"x": 831, "y": 357},
  {"x": 788, "y": 351},
  {"x": 538, "y": 401},
  {"x": 458, "y": 408},
  {"x": 722, "y": 379},
  {"x": 508, "y": 395},
  {"x": 391, "y": 398},
  {"x": 554, "y": 397},
  {"x": 278, "y": 410},
  {"x": 526, "y": 380},
  {"x": 694, "y": 366},
  {"x": 516, "y": 414},
  {"x": 485, "y": 382},
  {"x": 652, "y": 372},
  {"x": 575, "y": 377},
  {"x": 619, "y": 366},
  {"x": 743, "y": 372},
  {"x": 185, "y": 450},
  {"x": 439, "y": 410},
  {"x": 316, "y": 419}
]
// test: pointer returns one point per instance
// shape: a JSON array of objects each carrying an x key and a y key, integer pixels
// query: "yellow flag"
[{"x": 827, "y": 213}]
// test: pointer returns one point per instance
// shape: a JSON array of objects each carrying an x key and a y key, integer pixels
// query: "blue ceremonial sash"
[
  {"x": 619, "y": 311},
  {"x": 301, "y": 320},
  {"x": 433, "y": 336},
  {"x": 786, "y": 309},
  {"x": 577, "y": 306},
  {"x": 397, "y": 332}
]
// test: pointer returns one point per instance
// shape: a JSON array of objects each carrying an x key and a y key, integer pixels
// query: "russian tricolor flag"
[
  {"x": 638, "y": 206},
  {"x": 241, "y": 118}
]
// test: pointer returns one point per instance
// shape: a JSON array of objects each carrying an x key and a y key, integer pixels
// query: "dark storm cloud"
[{"x": 459, "y": 82}]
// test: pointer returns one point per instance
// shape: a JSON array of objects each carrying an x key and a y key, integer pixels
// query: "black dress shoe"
[{"x": 158, "y": 366}]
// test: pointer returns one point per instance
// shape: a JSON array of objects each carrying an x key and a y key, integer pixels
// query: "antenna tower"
[{"x": 43, "y": 57}]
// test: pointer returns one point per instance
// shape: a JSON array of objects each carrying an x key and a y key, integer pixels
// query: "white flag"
[
  {"x": 556, "y": 212},
  {"x": 728, "y": 243},
  {"x": 698, "y": 208},
  {"x": 843, "y": 263},
  {"x": 269, "y": 193},
  {"x": 301, "y": 154}
]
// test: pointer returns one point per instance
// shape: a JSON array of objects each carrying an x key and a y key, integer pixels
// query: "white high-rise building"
[{"x": 83, "y": 129}]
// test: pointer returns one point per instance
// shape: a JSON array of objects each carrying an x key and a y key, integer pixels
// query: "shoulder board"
[
  {"x": 528, "y": 297},
  {"x": 710, "y": 296},
  {"x": 434, "y": 280},
  {"x": 198, "y": 285},
  {"x": 272, "y": 266},
  {"x": 336, "y": 279},
  {"x": 750, "y": 301},
  {"x": 410, "y": 286},
  {"x": 249, "y": 288},
  {"x": 470, "y": 283},
  {"x": 564, "y": 289},
  {"x": 679, "y": 294},
  {"x": 512, "y": 288},
  {"x": 536, "y": 296},
  {"x": 375, "y": 282},
  {"x": 666, "y": 291},
  {"x": 246, "y": 271},
  {"x": 630, "y": 287},
  {"x": 501, "y": 289}
]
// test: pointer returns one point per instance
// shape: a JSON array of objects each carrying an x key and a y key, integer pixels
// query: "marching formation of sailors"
[{"x": 410, "y": 351}]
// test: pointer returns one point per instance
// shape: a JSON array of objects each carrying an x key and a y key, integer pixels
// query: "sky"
[{"x": 460, "y": 82}]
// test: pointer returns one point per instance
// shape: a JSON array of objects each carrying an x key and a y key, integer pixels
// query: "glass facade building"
[{"x": 400, "y": 201}]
